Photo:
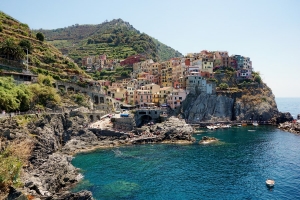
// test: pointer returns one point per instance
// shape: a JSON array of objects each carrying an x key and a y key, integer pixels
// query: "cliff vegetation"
[
  {"x": 16, "y": 39},
  {"x": 116, "y": 38}
]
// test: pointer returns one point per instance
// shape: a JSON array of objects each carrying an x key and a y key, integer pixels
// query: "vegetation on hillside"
[
  {"x": 16, "y": 39},
  {"x": 116, "y": 39},
  {"x": 12, "y": 159},
  {"x": 113, "y": 75},
  {"x": 22, "y": 97}
]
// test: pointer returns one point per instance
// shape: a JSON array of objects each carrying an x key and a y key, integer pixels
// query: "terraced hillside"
[
  {"x": 44, "y": 58},
  {"x": 116, "y": 39}
]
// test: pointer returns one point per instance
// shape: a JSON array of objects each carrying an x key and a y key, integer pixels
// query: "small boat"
[
  {"x": 212, "y": 127},
  {"x": 270, "y": 182},
  {"x": 225, "y": 126},
  {"x": 255, "y": 124}
]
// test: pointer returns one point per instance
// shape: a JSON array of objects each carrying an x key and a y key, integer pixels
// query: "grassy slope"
[
  {"x": 117, "y": 39},
  {"x": 44, "y": 57}
]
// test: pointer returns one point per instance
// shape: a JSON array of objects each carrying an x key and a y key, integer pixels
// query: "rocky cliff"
[
  {"x": 254, "y": 102},
  {"x": 48, "y": 172},
  {"x": 49, "y": 141}
]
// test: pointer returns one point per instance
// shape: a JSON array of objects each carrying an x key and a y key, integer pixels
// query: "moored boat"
[
  {"x": 225, "y": 126},
  {"x": 270, "y": 182},
  {"x": 255, "y": 124},
  {"x": 212, "y": 127}
]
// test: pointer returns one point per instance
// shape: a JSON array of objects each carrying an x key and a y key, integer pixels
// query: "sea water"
[{"x": 236, "y": 167}]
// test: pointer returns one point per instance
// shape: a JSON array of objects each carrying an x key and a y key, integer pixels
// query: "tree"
[
  {"x": 25, "y": 44},
  {"x": 90, "y": 41},
  {"x": 10, "y": 50},
  {"x": 14, "y": 97},
  {"x": 223, "y": 86},
  {"x": 40, "y": 36}
]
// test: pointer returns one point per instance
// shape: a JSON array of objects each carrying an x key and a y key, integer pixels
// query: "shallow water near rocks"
[{"x": 234, "y": 168}]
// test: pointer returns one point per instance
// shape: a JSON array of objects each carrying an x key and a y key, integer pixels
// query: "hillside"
[
  {"x": 116, "y": 39},
  {"x": 44, "y": 58}
]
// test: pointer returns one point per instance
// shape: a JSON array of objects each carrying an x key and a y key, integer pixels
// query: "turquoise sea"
[{"x": 234, "y": 168}]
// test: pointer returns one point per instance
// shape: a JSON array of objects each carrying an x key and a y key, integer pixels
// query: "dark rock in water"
[
  {"x": 206, "y": 139},
  {"x": 15, "y": 194},
  {"x": 82, "y": 195},
  {"x": 284, "y": 117}
]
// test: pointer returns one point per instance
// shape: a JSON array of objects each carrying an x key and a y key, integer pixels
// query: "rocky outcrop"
[
  {"x": 49, "y": 169},
  {"x": 284, "y": 117},
  {"x": 82, "y": 195},
  {"x": 208, "y": 107},
  {"x": 253, "y": 103},
  {"x": 293, "y": 127},
  {"x": 173, "y": 130}
]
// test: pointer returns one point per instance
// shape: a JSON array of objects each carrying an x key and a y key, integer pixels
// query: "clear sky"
[{"x": 267, "y": 31}]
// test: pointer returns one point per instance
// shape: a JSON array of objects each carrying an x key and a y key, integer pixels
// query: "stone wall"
[{"x": 124, "y": 123}]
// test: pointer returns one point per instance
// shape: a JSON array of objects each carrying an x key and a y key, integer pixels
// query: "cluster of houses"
[{"x": 168, "y": 82}]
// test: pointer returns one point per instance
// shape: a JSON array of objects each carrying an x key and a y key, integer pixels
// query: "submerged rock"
[
  {"x": 206, "y": 140},
  {"x": 120, "y": 189}
]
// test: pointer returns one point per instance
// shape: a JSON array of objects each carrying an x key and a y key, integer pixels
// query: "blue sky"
[{"x": 267, "y": 31}]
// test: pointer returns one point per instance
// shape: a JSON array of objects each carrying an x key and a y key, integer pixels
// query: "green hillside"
[
  {"x": 44, "y": 58},
  {"x": 116, "y": 39}
]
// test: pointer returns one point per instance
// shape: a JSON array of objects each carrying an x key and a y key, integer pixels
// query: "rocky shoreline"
[
  {"x": 292, "y": 127},
  {"x": 54, "y": 139}
]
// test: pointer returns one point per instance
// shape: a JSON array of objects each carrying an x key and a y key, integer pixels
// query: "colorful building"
[
  {"x": 132, "y": 59},
  {"x": 175, "y": 98}
]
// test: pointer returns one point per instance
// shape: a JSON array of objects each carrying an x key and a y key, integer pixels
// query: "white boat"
[
  {"x": 270, "y": 182},
  {"x": 225, "y": 126},
  {"x": 255, "y": 124},
  {"x": 212, "y": 127}
]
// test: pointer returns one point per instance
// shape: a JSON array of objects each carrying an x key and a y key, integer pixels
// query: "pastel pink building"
[
  {"x": 176, "y": 97},
  {"x": 104, "y": 82},
  {"x": 141, "y": 97}
]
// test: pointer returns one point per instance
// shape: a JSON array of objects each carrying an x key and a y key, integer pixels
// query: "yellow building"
[
  {"x": 117, "y": 93},
  {"x": 154, "y": 68},
  {"x": 207, "y": 66},
  {"x": 163, "y": 94}
]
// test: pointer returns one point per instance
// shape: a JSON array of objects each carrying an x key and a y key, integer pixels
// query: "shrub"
[
  {"x": 14, "y": 97},
  {"x": 257, "y": 78},
  {"x": 223, "y": 86},
  {"x": 11, "y": 161},
  {"x": 25, "y": 44},
  {"x": 40, "y": 36}
]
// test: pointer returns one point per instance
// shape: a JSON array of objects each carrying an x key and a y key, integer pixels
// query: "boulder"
[{"x": 284, "y": 117}]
